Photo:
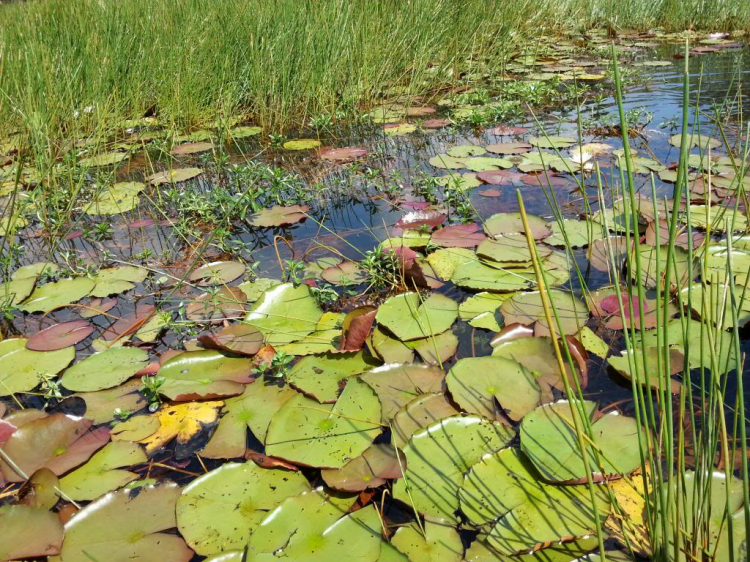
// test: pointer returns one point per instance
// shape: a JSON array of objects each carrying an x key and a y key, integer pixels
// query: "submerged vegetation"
[{"x": 388, "y": 281}]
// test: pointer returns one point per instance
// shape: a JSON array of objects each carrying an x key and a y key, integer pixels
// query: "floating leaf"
[
  {"x": 537, "y": 355},
  {"x": 387, "y": 348},
  {"x": 419, "y": 218},
  {"x": 573, "y": 233},
  {"x": 325, "y": 435},
  {"x": 342, "y": 155},
  {"x": 239, "y": 339},
  {"x": 253, "y": 410},
  {"x": 458, "y": 236},
  {"x": 343, "y": 274},
  {"x": 552, "y": 141},
  {"x": 106, "y": 159},
  {"x": 13, "y": 292},
  {"x": 399, "y": 130},
  {"x": 46, "y": 298},
  {"x": 397, "y": 385},
  {"x": 285, "y": 314},
  {"x": 511, "y": 223},
  {"x": 465, "y": 151},
  {"x": 119, "y": 198},
  {"x": 483, "y": 310},
  {"x": 696, "y": 141},
  {"x": 548, "y": 437},
  {"x": 508, "y": 148},
  {"x": 175, "y": 175},
  {"x": 107, "y": 369},
  {"x": 24, "y": 369},
  {"x": 569, "y": 316},
  {"x": 302, "y": 144},
  {"x": 60, "y": 335},
  {"x": 244, "y": 132},
  {"x": 356, "y": 328},
  {"x": 255, "y": 289},
  {"x": 410, "y": 318},
  {"x": 222, "y": 509},
  {"x": 532, "y": 514},
  {"x": 375, "y": 467},
  {"x": 226, "y": 303},
  {"x": 320, "y": 376},
  {"x": 117, "y": 280},
  {"x": 682, "y": 271},
  {"x": 486, "y": 163},
  {"x": 436, "y": 350},
  {"x": 121, "y": 527},
  {"x": 135, "y": 428},
  {"x": 437, "y": 458},
  {"x": 29, "y": 532},
  {"x": 192, "y": 148},
  {"x": 446, "y": 162},
  {"x": 101, "y": 475},
  {"x": 204, "y": 374},
  {"x": 478, "y": 384},
  {"x": 312, "y": 527},
  {"x": 57, "y": 442},
  {"x": 181, "y": 422},
  {"x": 440, "y": 542},
  {"x": 217, "y": 273},
  {"x": 476, "y": 275},
  {"x": 279, "y": 216}
]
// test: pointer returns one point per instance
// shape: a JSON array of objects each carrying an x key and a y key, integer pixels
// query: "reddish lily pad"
[
  {"x": 240, "y": 339},
  {"x": 343, "y": 155},
  {"x": 420, "y": 218},
  {"x": 59, "y": 336},
  {"x": 458, "y": 236},
  {"x": 435, "y": 123},
  {"x": 356, "y": 327},
  {"x": 57, "y": 442},
  {"x": 279, "y": 216},
  {"x": 498, "y": 177}
]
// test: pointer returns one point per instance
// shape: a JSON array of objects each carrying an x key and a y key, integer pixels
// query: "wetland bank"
[{"x": 478, "y": 296}]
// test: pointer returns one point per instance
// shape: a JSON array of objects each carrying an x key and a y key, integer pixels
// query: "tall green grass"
[{"x": 73, "y": 67}]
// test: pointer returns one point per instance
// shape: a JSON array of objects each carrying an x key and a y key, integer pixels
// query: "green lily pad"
[
  {"x": 175, "y": 175},
  {"x": 204, "y": 374},
  {"x": 548, "y": 438},
  {"x": 29, "y": 532},
  {"x": 397, "y": 385},
  {"x": 319, "y": 376},
  {"x": 399, "y": 130},
  {"x": 440, "y": 542},
  {"x": 483, "y": 310},
  {"x": 101, "y": 475},
  {"x": 509, "y": 248},
  {"x": 579, "y": 233},
  {"x": 511, "y": 223},
  {"x": 478, "y": 384},
  {"x": 486, "y": 163},
  {"x": 436, "y": 350},
  {"x": 477, "y": 275},
  {"x": 410, "y": 318},
  {"x": 387, "y": 348},
  {"x": 420, "y": 413},
  {"x": 24, "y": 369},
  {"x": 107, "y": 369},
  {"x": 102, "y": 406},
  {"x": 17, "y": 290},
  {"x": 374, "y": 468},
  {"x": 222, "y": 509},
  {"x": 682, "y": 270},
  {"x": 277, "y": 216},
  {"x": 117, "y": 280},
  {"x": 538, "y": 356},
  {"x": 325, "y": 435},
  {"x": 527, "y": 308},
  {"x": 531, "y": 513},
  {"x": 459, "y": 182},
  {"x": 552, "y": 141},
  {"x": 437, "y": 458},
  {"x": 255, "y": 289},
  {"x": 311, "y": 527},
  {"x": 445, "y": 260},
  {"x": 696, "y": 141},
  {"x": 244, "y": 132},
  {"x": 718, "y": 218},
  {"x": 119, "y": 527},
  {"x": 46, "y": 298},
  {"x": 465, "y": 151},
  {"x": 217, "y": 273},
  {"x": 285, "y": 314},
  {"x": 119, "y": 198},
  {"x": 446, "y": 162},
  {"x": 302, "y": 144},
  {"x": 106, "y": 159}
]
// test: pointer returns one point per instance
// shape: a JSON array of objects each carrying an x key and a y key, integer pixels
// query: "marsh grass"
[
  {"x": 681, "y": 436},
  {"x": 73, "y": 69}
]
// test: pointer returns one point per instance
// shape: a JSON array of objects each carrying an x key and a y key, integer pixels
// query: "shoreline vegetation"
[{"x": 80, "y": 68}]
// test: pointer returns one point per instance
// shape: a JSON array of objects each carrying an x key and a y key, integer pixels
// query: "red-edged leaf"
[
  {"x": 268, "y": 462},
  {"x": 459, "y": 236},
  {"x": 356, "y": 327},
  {"x": 420, "y": 218},
  {"x": 60, "y": 336},
  {"x": 129, "y": 324}
]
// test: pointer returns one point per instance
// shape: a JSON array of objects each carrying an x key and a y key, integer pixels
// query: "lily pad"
[
  {"x": 569, "y": 316},
  {"x": 119, "y": 198},
  {"x": 106, "y": 159},
  {"x": 279, "y": 216},
  {"x": 223, "y": 508},
  {"x": 397, "y": 385},
  {"x": 552, "y": 141},
  {"x": 180, "y": 421},
  {"x": 325, "y": 435},
  {"x": 548, "y": 437},
  {"x": 57, "y": 442},
  {"x": 342, "y": 155},
  {"x": 508, "y": 148},
  {"x": 475, "y": 274},
  {"x": 23, "y": 369},
  {"x": 175, "y": 175},
  {"x": 487, "y": 163},
  {"x": 375, "y": 467},
  {"x": 399, "y": 129},
  {"x": 465, "y": 151},
  {"x": 102, "y": 406},
  {"x": 696, "y": 141},
  {"x": 285, "y": 314},
  {"x": 107, "y": 369},
  {"x": 320, "y": 376},
  {"x": 17, "y": 290},
  {"x": 29, "y": 532},
  {"x": 253, "y": 410},
  {"x": 437, "y": 458},
  {"x": 204, "y": 374},
  {"x": 410, "y": 318},
  {"x": 457, "y": 236},
  {"x": 479, "y": 384},
  {"x": 239, "y": 339},
  {"x": 120, "y": 527},
  {"x": 447, "y": 162},
  {"x": 511, "y": 223},
  {"x": 46, "y": 298},
  {"x": 579, "y": 234},
  {"x": 244, "y": 131},
  {"x": 117, "y": 280},
  {"x": 436, "y": 350},
  {"x": 101, "y": 475},
  {"x": 483, "y": 310},
  {"x": 217, "y": 273},
  {"x": 440, "y": 542}
]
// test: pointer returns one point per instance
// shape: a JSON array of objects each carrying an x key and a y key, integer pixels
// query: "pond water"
[{"x": 355, "y": 206}]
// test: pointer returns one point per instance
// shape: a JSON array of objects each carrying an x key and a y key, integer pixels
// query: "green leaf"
[
  {"x": 319, "y": 376},
  {"x": 107, "y": 369},
  {"x": 46, "y": 298},
  {"x": 440, "y": 543},
  {"x": 29, "y": 532},
  {"x": 325, "y": 435},
  {"x": 221, "y": 509},
  {"x": 438, "y": 456},
  {"x": 410, "y": 318},
  {"x": 24, "y": 369},
  {"x": 285, "y": 314},
  {"x": 204, "y": 374},
  {"x": 397, "y": 385}
]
